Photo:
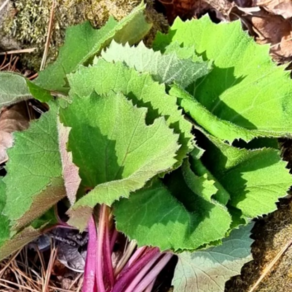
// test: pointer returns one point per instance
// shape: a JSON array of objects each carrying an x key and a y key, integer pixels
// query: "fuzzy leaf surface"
[
  {"x": 177, "y": 215},
  {"x": 254, "y": 179},
  {"x": 83, "y": 42},
  {"x": 163, "y": 68},
  {"x": 115, "y": 150},
  {"x": 105, "y": 77},
  {"x": 18, "y": 241},
  {"x": 34, "y": 180},
  {"x": 13, "y": 88},
  {"x": 245, "y": 88},
  {"x": 208, "y": 270}
]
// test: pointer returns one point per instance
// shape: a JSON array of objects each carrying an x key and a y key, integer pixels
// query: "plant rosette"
[{"x": 173, "y": 146}]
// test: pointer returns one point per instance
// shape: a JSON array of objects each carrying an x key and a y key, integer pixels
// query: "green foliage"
[
  {"x": 166, "y": 68},
  {"x": 208, "y": 270},
  {"x": 127, "y": 151},
  {"x": 88, "y": 42},
  {"x": 35, "y": 158},
  {"x": 130, "y": 112},
  {"x": 141, "y": 89},
  {"x": 15, "y": 87},
  {"x": 244, "y": 91}
]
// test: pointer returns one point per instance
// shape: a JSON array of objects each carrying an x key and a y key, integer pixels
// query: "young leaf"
[
  {"x": 115, "y": 150},
  {"x": 225, "y": 130},
  {"x": 83, "y": 42},
  {"x": 163, "y": 68},
  {"x": 254, "y": 179},
  {"x": 179, "y": 215},
  {"x": 245, "y": 87},
  {"x": 13, "y": 88},
  {"x": 105, "y": 77},
  {"x": 208, "y": 270},
  {"x": 34, "y": 180}
]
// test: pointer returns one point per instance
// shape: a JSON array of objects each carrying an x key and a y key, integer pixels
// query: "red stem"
[
  {"x": 129, "y": 274},
  {"x": 89, "y": 284},
  {"x": 153, "y": 273}
]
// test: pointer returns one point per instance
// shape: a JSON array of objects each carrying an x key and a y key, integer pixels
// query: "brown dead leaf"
[
  {"x": 269, "y": 28},
  {"x": 278, "y": 7},
  {"x": 14, "y": 118}
]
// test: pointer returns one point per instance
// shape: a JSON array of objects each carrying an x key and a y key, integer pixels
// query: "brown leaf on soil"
[
  {"x": 70, "y": 170},
  {"x": 279, "y": 7},
  {"x": 14, "y": 118}
]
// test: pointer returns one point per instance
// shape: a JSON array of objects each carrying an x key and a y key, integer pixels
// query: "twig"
[
  {"x": 3, "y": 5},
  {"x": 47, "y": 44},
  {"x": 29, "y": 50},
  {"x": 270, "y": 266}
]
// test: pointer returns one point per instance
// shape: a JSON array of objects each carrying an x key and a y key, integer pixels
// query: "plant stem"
[
  {"x": 153, "y": 273},
  {"x": 99, "y": 251},
  {"x": 127, "y": 254},
  {"x": 136, "y": 255},
  {"x": 107, "y": 251},
  {"x": 89, "y": 284},
  {"x": 129, "y": 274},
  {"x": 150, "y": 287},
  {"x": 142, "y": 273}
]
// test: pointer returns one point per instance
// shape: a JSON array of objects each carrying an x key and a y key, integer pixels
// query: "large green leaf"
[
  {"x": 254, "y": 179},
  {"x": 166, "y": 69},
  {"x": 105, "y": 77},
  {"x": 179, "y": 215},
  {"x": 83, "y": 42},
  {"x": 115, "y": 150},
  {"x": 18, "y": 241},
  {"x": 34, "y": 180},
  {"x": 208, "y": 270},
  {"x": 15, "y": 87},
  {"x": 244, "y": 91}
]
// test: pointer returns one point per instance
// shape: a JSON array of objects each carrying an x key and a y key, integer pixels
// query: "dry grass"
[{"x": 27, "y": 271}]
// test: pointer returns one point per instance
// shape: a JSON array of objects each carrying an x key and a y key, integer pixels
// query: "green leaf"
[
  {"x": 39, "y": 93},
  {"x": 179, "y": 215},
  {"x": 34, "y": 180},
  {"x": 115, "y": 150},
  {"x": 244, "y": 92},
  {"x": 163, "y": 68},
  {"x": 254, "y": 179},
  {"x": 105, "y": 77},
  {"x": 13, "y": 88},
  {"x": 82, "y": 42},
  {"x": 208, "y": 270},
  {"x": 18, "y": 241},
  {"x": 4, "y": 221}
]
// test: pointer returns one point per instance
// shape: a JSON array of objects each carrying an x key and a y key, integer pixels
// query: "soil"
[{"x": 271, "y": 234}]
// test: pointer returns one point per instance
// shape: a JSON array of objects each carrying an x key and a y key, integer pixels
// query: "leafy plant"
[{"x": 175, "y": 147}]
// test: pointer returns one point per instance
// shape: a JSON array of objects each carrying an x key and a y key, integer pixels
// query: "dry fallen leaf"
[
  {"x": 278, "y": 7},
  {"x": 14, "y": 118}
]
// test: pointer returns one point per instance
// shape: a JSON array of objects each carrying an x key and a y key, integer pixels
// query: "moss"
[{"x": 30, "y": 23}]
